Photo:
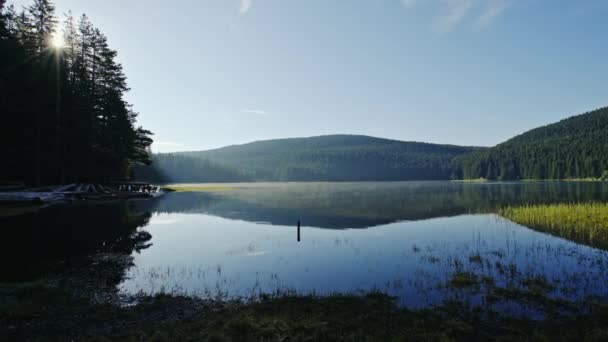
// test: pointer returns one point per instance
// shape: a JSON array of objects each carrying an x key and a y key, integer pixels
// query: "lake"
[{"x": 422, "y": 242}]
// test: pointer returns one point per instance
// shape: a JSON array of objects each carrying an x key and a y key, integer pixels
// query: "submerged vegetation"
[
  {"x": 373, "y": 317},
  {"x": 72, "y": 306},
  {"x": 581, "y": 222}
]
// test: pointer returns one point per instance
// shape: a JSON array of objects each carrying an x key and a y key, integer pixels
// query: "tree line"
[
  {"x": 325, "y": 158},
  {"x": 64, "y": 113},
  {"x": 573, "y": 148}
]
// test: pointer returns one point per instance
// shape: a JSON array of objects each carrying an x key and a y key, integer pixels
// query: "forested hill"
[
  {"x": 576, "y": 147},
  {"x": 324, "y": 158}
]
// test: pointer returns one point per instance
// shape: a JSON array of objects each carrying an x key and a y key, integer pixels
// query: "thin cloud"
[
  {"x": 245, "y": 6},
  {"x": 255, "y": 111},
  {"x": 493, "y": 9},
  {"x": 481, "y": 13},
  {"x": 455, "y": 12}
]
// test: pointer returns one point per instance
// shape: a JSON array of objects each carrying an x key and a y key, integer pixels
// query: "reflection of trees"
[
  {"x": 360, "y": 205},
  {"x": 65, "y": 235}
]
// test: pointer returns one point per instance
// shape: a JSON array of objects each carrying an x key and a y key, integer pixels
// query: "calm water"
[{"x": 408, "y": 239}]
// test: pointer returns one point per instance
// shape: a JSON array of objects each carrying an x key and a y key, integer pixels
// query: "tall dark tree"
[
  {"x": 64, "y": 113},
  {"x": 43, "y": 21}
]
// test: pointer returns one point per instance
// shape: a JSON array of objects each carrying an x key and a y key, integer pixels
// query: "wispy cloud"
[
  {"x": 492, "y": 10},
  {"x": 452, "y": 13},
  {"x": 245, "y": 6},
  {"x": 255, "y": 111}
]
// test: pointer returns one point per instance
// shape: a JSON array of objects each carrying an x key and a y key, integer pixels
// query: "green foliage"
[
  {"x": 63, "y": 110},
  {"x": 583, "y": 222},
  {"x": 324, "y": 158},
  {"x": 574, "y": 148}
]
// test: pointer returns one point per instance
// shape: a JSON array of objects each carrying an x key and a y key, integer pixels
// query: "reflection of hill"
[
  {"x": 37, "y": 241},
  {"x": 361, "y": 205}
]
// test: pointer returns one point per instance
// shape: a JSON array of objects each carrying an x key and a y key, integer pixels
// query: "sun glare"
[{"x": 57, "y": 40}]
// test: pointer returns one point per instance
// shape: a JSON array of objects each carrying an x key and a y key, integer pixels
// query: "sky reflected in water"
[
  {"x": 236, "y": 244},
  {"x": 422, "y": 242}
]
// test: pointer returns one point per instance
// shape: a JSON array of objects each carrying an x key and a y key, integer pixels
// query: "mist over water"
[{"x": 411, "y": 240}]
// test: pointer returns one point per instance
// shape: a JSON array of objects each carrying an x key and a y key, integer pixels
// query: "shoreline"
[
  {"x": 251, "y": 185},
  {"x": 83, "y": 303},
  {"x": 374, "y": 316}
]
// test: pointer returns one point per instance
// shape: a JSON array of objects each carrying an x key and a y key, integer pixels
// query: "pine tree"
[
  {"x": 65, "y": 109},
  {"x": 43, "y": 21}
]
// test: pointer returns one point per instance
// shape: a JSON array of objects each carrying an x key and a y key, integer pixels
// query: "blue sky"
[{"x": 210, "y": 73}]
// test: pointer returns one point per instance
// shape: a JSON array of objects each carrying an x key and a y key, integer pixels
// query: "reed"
[{"x": 580, "y": 222}]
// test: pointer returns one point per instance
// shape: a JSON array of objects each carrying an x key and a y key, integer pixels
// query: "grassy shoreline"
[
  {"x": 83, "y": 304},
  {"x": 484, "y": 180},
  {"x": 585, "y": 223},
  {"x": 52, "y": 313}
]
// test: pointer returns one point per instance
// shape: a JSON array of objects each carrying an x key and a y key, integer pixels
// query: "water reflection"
[
  {"x": 363, "y": 205},
  {"x": 415, "y": 261},
  {"x": 423, "y": 245},
  {"x": 426, "y": 242},
  {"x": 47, "y": 241}
]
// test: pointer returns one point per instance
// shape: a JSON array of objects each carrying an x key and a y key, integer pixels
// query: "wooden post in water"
[{"x": 298, "y": 231}]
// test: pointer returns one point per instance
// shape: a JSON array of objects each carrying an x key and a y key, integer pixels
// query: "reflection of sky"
[
  {"x": 200, "y": 254},
  {"x": 362, "y": 205}
]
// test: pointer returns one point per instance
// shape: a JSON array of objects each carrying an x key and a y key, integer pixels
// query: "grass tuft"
[
  {"x": 463, "y": 279},
  {"x": 582, "y": 222}
]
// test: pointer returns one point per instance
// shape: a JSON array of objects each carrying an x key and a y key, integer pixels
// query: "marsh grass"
[
  {"x": 462, "y": 279},
  {"x": 57, "y": 315},
  {"x": 59, "y": 309},
  {"x": 581, "y": 222}
]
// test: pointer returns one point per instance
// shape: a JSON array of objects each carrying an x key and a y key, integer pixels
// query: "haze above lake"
[{"x": 404, "y": 238}]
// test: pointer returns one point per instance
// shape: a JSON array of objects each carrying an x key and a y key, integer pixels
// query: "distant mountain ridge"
[
  {"x": 576, "y": 147},
  {"x": 321, "y": 158}
]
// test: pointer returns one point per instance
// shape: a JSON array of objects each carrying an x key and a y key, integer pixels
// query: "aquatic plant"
[
  {"x": 581, "y": 222},
  {"x": 463, "y": 279}
]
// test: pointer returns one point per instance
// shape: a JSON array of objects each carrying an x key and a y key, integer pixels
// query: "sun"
[{"x": 57, "y": 40}]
